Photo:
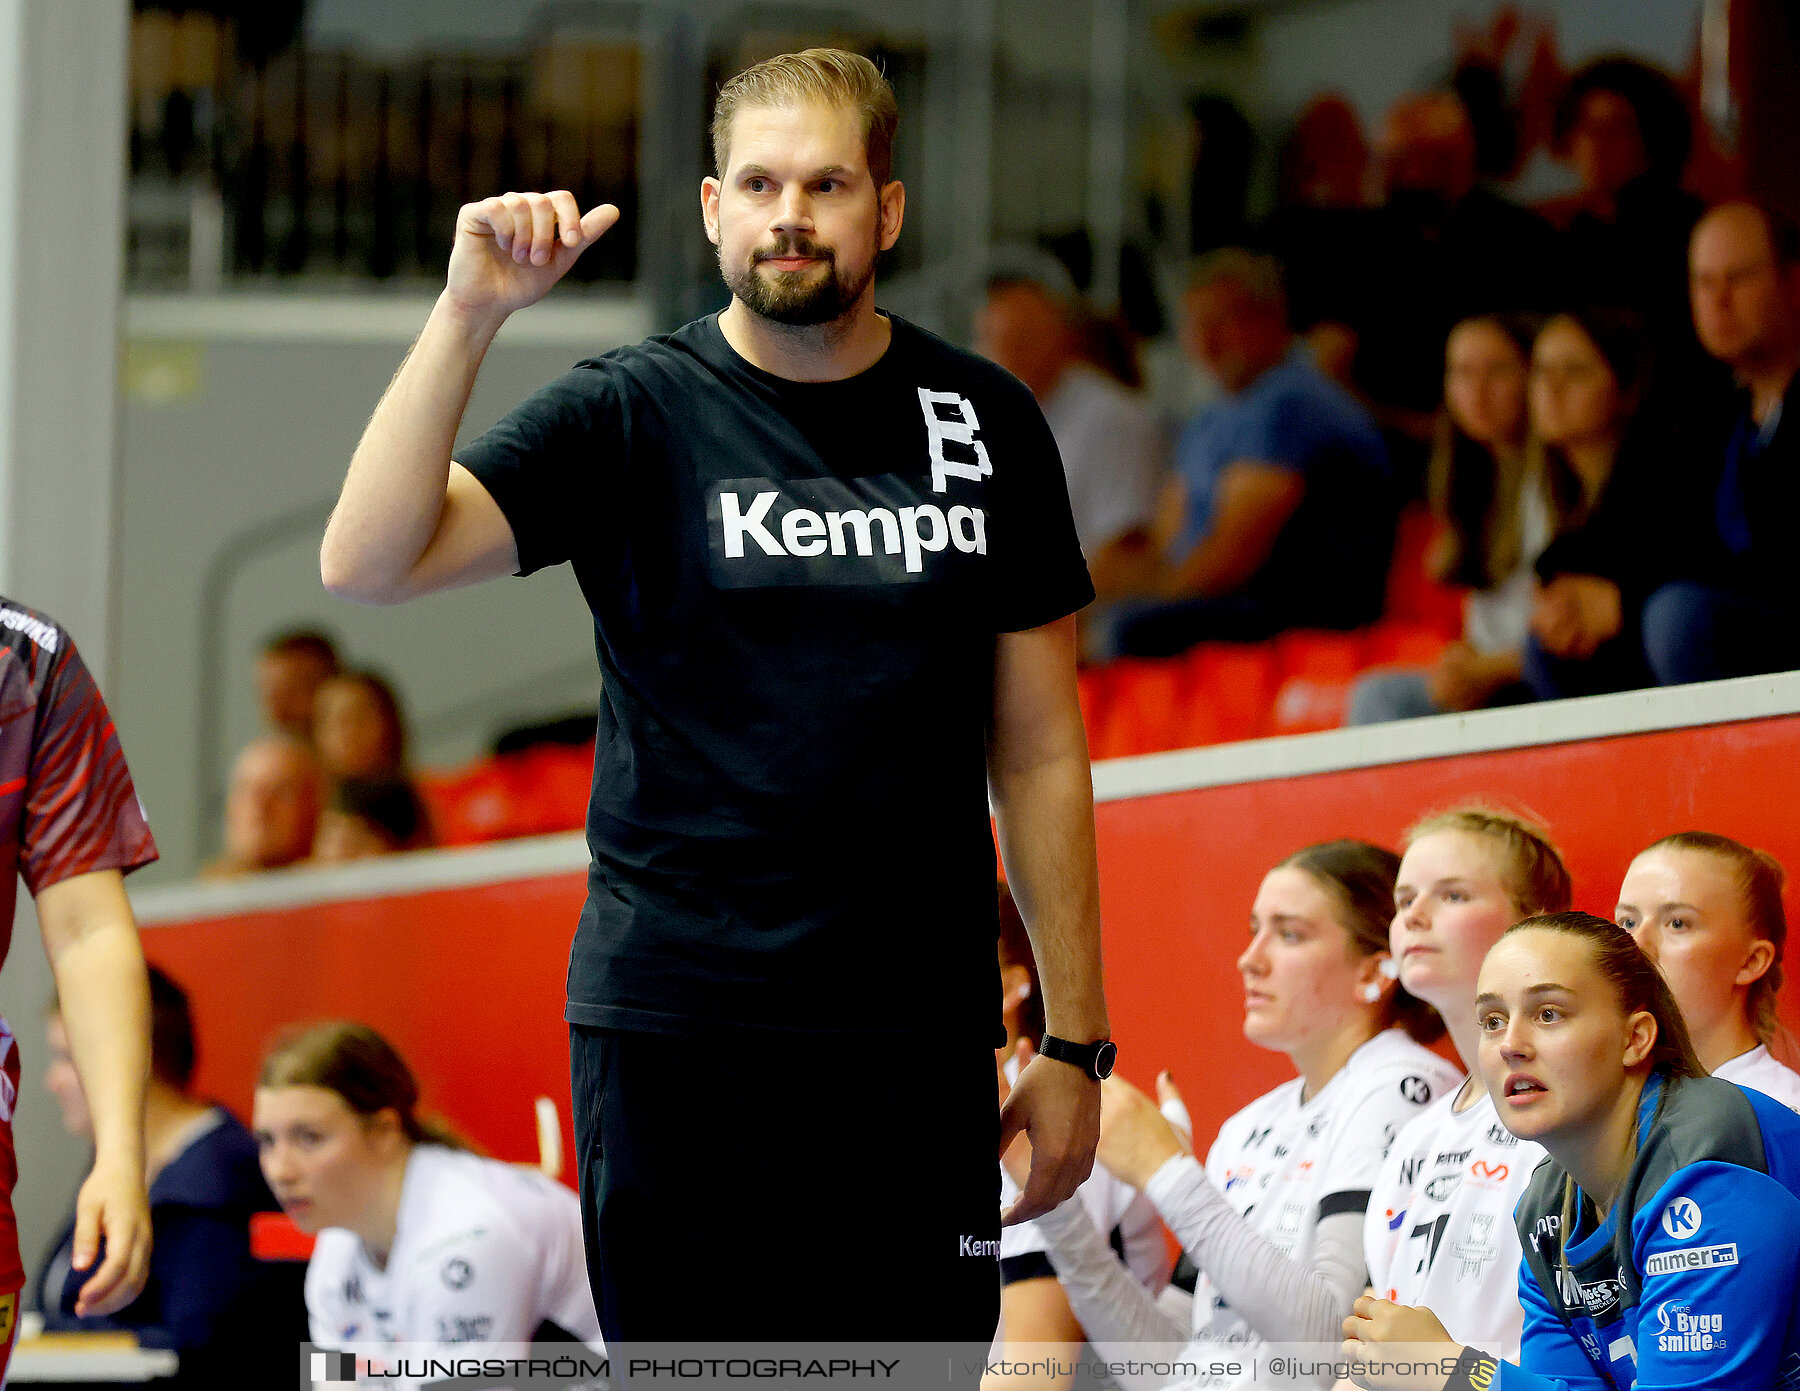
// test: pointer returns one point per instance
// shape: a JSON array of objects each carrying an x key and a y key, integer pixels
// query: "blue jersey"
[{"x": 1693, "y": 1278}]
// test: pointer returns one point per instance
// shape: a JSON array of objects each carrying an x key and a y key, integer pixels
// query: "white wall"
[{"x": 239, "y": 415}]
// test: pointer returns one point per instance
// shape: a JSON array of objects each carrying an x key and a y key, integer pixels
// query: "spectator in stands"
[
  {"x": 1033, "y": 1308},
  {"x": 1281, "y": 511},
  {"x": 1113, "y": 451},
  {"x": 370, "y": 816},
  {"x": 1445, "y": 247},
  {"x": 357, "y": 726},
  {"x": 1707, "y": 911},
  {"x": 420, "y": 1240},
  {"x": 1588, "y": 375},
  {"x": 1494, "y": 511},
  {"x": 1727, "y": 602},
  {"x": 272, "y": 808},
  {"x": 288, "y": 673},
  {"x": 1624, "y": 233},
  {"x": 1321, "y": 230},
  {"x": 207, "y": 1296}
]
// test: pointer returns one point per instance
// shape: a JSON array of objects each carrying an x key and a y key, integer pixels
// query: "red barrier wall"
[{"x": 468, "y": 981}]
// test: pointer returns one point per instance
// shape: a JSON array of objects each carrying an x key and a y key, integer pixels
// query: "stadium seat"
[
  {"x": 1316, "y": 670},
  {"x": 1231, "y": 686},
  {"x": 1144, "y": 712},
  {"x": 1412, "y": 596}
]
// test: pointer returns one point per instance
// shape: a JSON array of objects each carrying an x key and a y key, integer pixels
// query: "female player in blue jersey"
[{"x": 1662, "y": 1236}]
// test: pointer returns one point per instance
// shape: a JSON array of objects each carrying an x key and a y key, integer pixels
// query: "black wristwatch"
[{"x": 1095, "y": 1059}]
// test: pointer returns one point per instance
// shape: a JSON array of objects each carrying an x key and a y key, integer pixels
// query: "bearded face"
[
  {"x": 797, "y": 280},
  {"x": 797, "y": 218}
]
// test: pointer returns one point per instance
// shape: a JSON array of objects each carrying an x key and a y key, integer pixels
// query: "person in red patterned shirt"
[{"x": 71, "y": 826}]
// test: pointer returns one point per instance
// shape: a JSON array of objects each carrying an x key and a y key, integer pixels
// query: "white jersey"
[
  {"x": 1760, "y": 1072},
  {"x": 1120, "y": 1213},
  {"x": 1439, "y": 1232},
  {"x": 1285, "y": 1164},
  {"x": 484, "y": 1252}
]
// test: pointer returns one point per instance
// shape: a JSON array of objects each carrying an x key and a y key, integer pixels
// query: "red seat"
[
  {"x": 1317, "y": 670},
  {"x": 537, "y": 791},
  {"x": 471, "y": 804},
  {"x": 551, "y": 783},
  {"x": 274, "y": 1237},
  {"x": 1144, "y": 709},
  {"x": 1230, "y": 686},
  {"x": 1412, "y": 595},
  {"x": 1399, "y": 642}
]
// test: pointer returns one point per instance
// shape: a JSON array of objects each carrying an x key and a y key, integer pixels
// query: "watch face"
[{"x": 1104, "y": 1057}]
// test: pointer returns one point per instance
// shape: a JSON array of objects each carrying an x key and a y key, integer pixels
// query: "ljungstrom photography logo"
[{"x": 332, "y": 1367}]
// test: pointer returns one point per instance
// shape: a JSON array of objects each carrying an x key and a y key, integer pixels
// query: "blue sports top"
[{"x": 1693, "y": 1278}]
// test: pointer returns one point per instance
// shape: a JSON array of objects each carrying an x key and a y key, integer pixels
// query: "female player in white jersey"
[
  {"x": 1274, "y": 1219},
  {"x": 1439, "y": 1229},
  {"x": 1708, "y": 912},
  {"x": 420, "y": 1241}
]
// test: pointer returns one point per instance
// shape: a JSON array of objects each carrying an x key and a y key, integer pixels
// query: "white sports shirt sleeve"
[{"x": 1261, "y": 1221}]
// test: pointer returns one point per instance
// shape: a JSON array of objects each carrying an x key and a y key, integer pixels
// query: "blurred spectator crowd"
[
  {"x": 1570, "y": 416},
  {"x": 330, "y": 779},
  {"x": 1459, "y": 452}
]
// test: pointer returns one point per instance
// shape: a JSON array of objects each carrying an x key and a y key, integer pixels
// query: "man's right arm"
[{"x": 409, "y": 520}]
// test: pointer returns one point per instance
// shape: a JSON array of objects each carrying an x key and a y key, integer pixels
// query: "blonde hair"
[
  {"x": 1761, "y": 880},
  {"x": 1531, "y": 867},
  {"x": 363, "y": 1068},
  {"x": 829, "y": 76}
]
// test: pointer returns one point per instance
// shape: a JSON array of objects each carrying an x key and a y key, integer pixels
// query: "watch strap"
[{"x": 1095, "y": 1059}]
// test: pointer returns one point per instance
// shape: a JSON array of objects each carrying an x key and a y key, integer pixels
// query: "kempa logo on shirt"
[
  {"x": 1681, "y": 1219},
  {"x": 833, "y": 531},
  {"x": 976, "y": 1246},
  {"x": 1693, "y": 1258}
]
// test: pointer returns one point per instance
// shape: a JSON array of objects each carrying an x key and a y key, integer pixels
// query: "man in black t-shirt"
[{"x": 833, "y": 575}]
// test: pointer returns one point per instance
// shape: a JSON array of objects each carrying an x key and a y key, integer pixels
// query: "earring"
[
  {"x": 1388, "y": 967},
  {"x": 1371, "y": 992},
  {"x": 1025, "y": 990}
]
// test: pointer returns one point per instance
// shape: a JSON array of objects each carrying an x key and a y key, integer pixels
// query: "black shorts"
[{"x": 768, "y": 1187}]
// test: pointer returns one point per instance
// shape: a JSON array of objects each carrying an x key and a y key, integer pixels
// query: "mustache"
[{"x": 793, "y": 246}]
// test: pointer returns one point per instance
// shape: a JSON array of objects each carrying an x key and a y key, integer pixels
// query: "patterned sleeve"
[{"x": 81, "y": 812}]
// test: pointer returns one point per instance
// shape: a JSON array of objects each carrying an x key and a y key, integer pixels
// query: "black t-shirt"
[{"x": 796, "y": 589}]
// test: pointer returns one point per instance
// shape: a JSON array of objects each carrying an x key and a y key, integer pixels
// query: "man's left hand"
[
  {"x": 1402, "y": 1335},
  {"x": 1058, "y": 1107},
  {"x": 111, "y": 1207}
]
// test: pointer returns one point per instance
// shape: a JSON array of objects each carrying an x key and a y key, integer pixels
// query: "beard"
[{"x": 797, "y": 297}]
